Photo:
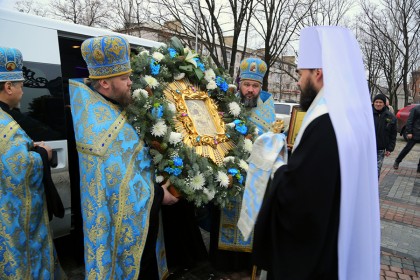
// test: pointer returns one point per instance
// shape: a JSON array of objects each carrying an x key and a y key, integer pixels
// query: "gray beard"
[{"x": 249, "y": 103}]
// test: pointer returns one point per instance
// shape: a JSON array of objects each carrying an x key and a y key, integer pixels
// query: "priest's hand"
[
  {"x": 168, "y": 198},
  {"x": 46, "y": 147}
]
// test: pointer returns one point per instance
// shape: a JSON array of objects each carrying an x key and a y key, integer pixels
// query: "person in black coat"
[
  {"x": 413, "y": 135},
  {"x": 385, "y": 129},
  {"x": 319, "y": 215}
]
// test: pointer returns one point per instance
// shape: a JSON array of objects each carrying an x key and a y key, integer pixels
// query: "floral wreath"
[{"x": 195, "y": 177}]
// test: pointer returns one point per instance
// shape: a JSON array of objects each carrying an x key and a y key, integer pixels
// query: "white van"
[
  {"x": 283, "y": 112},
  {"x": 51, "y": 55}
]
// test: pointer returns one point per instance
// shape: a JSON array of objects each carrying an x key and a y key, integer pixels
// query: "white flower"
[
  {"x": 172, "y": 107},
  {"x": 144, "y": 92},
  {"x": 138, "y": 92},
  {"x": 248, "y": 145},
  {"x": 231, "y": 124},
  {"x": 159, "y": 179},
  {"x": 159, "y": 128},
  {"x": 256, "y": 131},
  {"x": 243, "y": 165},
  {"x": 223, "y": 179},
  {"x": 143, "y": 52},
  {"x": 229, "y": 159},
  {"x": 179, "y": 76},
  {"x": 211, "y": 85},
  {"x": 233, "y": 86},
  {"x": 190, "y": 58},
  {"x": 157, "y": 56},
  {"x": 210, "y": 193},
  {"x": 152, "y": 82},
  {"x": 209, "y": 75},
  {"x": 175, "y": 138},
  {"x": 234, "y": 109},
  {"x": 197, "y": 182}
]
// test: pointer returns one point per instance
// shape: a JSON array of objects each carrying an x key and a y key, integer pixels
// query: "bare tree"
[
  {"x": 179, "y": 18},
  {"x": 69, "y": 10},
  {"x": 95, "y": 14},
  {"x": 129, "y": 13},
  {"x": 394, "y": 28},
  {"x": 85, "y": 12},
  {"x": 213, "y": 21},
  {"x": 327, "y": 12},
  {"x": 277, "y": 22},
  {"x": 382, "y": 59},
  {"x": 375, "y": 26},
  {"x": 405, "y": 14},
  {"x": 31, "y": 7},
  {"x": 372, "y": 62}
]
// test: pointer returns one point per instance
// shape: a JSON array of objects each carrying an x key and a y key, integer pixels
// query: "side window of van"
[{"x": 42, "y": 104}]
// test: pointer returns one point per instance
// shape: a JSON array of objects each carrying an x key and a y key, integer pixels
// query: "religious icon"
[
  {"x": 198, "y": 120},
  {"x": 253, "y": 67},
  {"x": 201, "y": 117},
  {"x": 295, "y": 124}
]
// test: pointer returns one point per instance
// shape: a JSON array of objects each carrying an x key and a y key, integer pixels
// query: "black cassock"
[{"x": 296, "y": 231}]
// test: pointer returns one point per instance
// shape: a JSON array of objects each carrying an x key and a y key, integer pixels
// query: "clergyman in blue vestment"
[
  {"x": 26, "y": 247},
  {"x": 229, "y": 250},
  {"x": 120, "y": 203}
]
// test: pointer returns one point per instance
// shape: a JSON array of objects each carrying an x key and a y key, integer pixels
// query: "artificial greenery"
[{"x": 197, "y": 178}]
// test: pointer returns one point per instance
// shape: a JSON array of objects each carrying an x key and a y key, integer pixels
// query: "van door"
[{"x": 42, "y": 102}]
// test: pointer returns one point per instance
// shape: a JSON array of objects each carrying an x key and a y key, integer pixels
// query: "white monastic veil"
[{"x": 348, "y": 102}]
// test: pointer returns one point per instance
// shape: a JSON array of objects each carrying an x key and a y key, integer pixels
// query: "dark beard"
[
  {"x": 307, "y": 96},
  {"x": 250, "y": 103},
  {"x": 122, "y": 99}
]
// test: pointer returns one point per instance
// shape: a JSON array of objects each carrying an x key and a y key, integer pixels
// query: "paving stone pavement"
[{"x": 399, "y": 193}]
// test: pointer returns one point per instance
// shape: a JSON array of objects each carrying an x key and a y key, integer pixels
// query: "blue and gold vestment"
[
  {"x": 230, "y": 238},
  {"x": 26, "y": 248},
  {"x": 263, "y": 116},
  {"x": 116, "y": 187}
]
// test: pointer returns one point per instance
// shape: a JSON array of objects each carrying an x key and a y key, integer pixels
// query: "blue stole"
[
  {"x": 116, "y": 187},
  {"x": 263, "y": 116},
  {"x": 26, "y": 248},
  {"x": 230, "y": 237},
  {"x": 264, "y": 160}
]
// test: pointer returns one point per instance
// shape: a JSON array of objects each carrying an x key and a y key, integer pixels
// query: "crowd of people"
[{"x": 311, "y": 212}]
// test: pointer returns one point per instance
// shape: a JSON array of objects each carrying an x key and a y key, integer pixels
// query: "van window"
[
  {"x": 72, "y": 63},
  {"x": 42, "y": 105}
]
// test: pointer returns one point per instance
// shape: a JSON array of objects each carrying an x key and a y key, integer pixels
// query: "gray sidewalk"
[{"x": 399, "y": 193}]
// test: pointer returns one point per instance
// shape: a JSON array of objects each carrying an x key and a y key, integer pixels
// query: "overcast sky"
[
  {"x": 7, "y": 4},
  {"x": 10, "y": 4}
]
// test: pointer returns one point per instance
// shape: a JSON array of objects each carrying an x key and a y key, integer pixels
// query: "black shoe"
[{"x": 396, "y": 164}]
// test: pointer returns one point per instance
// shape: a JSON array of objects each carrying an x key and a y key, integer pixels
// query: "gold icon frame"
[
  {"x": 211, "y": 141},
  {"x": 296, "y": 120}
]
